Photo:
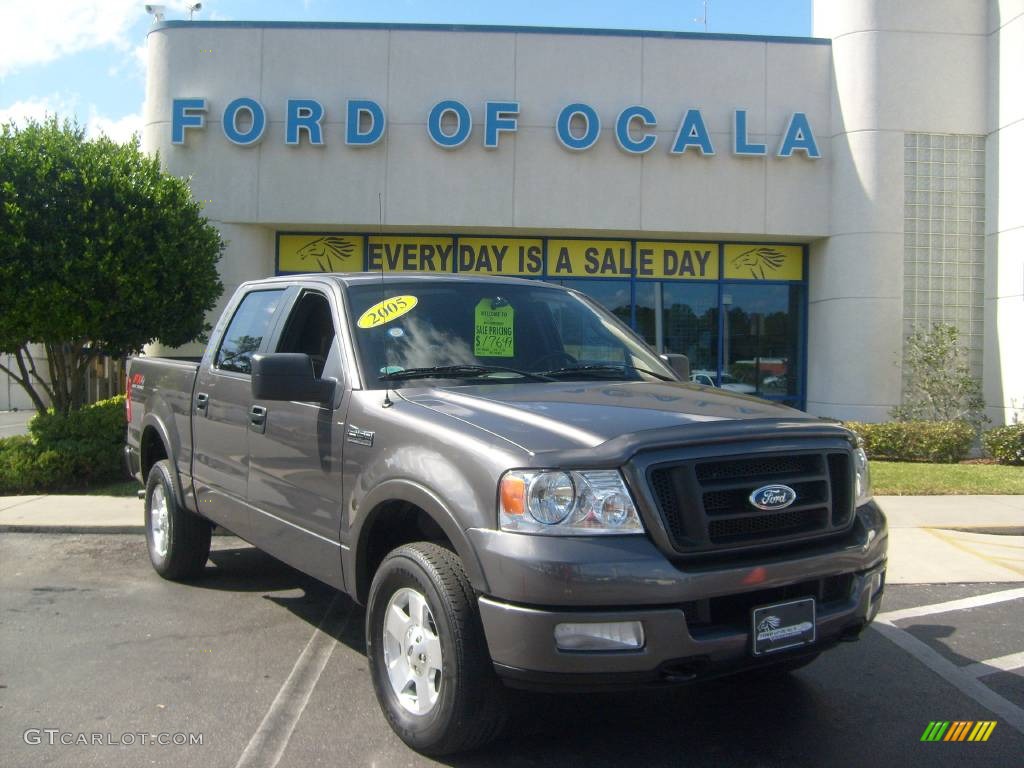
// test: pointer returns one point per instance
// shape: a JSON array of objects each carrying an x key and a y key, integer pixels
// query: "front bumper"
[{"x": 630, "y": 580}]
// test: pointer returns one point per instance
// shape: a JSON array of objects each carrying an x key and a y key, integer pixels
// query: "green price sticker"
[{"x": 493, "y": 334}]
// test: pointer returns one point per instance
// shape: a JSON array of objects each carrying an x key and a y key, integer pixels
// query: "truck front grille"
[{"x": 705, "y": 503}]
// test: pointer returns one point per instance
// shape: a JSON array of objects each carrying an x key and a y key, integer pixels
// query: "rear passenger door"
[
  {"x": 295, "y": 456},
  {"x": 221, "y": 412}
]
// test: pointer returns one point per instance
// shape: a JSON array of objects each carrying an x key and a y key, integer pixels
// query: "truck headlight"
[
  {"x": 583, "y": 503},
  {"x": 860, "y": 465}
]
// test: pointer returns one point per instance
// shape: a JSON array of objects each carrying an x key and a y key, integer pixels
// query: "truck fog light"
[{"x": 603, "y": 636}]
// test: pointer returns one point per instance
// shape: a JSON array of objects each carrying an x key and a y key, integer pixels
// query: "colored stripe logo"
[{"x": 958, "y": 730}]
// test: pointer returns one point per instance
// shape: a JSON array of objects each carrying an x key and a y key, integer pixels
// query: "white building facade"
[{"x": 782, "y": 210}]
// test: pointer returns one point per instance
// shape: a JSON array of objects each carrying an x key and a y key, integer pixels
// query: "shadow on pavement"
[
  {"x": 704, "y": 724},
  {"x": 247, "y": 569}
]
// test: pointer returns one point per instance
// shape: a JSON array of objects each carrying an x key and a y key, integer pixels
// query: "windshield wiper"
[
  {"x": 602, "y": 368},
  {"x": 458, "y": 372}
]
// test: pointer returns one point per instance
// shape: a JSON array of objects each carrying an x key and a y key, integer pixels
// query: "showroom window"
[{"x": 738, "y": 311}]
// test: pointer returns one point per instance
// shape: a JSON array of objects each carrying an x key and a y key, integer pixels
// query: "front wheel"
[
  {"x": 178, "y": 541},
  {"x": 428, "y": 656}
]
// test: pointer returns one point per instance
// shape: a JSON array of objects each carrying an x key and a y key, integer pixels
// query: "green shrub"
[
  {"x": 939, "y": 441},
  {"x": 1005, "y": 444},
  {"x": 939, "y": 384},
  {"x": 72, "y": 452},
  {"x": 19, "y": 470}
]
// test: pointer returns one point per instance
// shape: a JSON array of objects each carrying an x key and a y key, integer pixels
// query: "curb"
[
  {"x": 72, "y": 529},
  {"x": 992, "y": 530},
  {"x": 112, "y": 529}
]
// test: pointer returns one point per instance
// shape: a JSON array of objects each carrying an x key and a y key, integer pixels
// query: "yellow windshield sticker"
[
  {"x": 386, "y": 311},
  {"x": 493, "y": 334}
]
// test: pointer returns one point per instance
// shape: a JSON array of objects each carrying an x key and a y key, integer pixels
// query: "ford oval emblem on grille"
[{"x": 773, "y": 497}]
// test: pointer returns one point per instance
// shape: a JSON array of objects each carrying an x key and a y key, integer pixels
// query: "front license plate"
[{"x": 783, "y": 625}]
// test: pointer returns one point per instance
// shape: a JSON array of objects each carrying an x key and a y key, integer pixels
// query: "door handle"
[
  {"x": 258, "y": 418},
  {"x": 202, "y": 402}
]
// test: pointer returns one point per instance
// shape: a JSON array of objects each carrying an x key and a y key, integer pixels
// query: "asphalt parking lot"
[{"x": 94, "y": 644}]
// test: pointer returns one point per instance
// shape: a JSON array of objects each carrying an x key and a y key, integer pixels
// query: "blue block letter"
[
  {"x": 499, "y": 117},
  {"x": 463, "y": 124},
  {"x": 693, "y": 133},
  {"x": 741, "y": 145},
  {"x": 259, "y": 121},
  {"x": 799, "y": 138},
  {"x": 304, "y": 115},
  {"x": 183, "y": 115},
  {"x": 354, "y": 115},
  {"x": 563, "y": 127},
  {"x": 626, "y": 117}
]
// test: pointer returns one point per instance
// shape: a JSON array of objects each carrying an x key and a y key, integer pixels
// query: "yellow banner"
[
  {"x": 410, "y": 254},
  {"x": 501, "y": 256},
  {"x": 590, "y": 258},
  {"x": 320, "y": 253},
  {"x": 764, "y": 262},
  {"x": 658, "y": 260}
]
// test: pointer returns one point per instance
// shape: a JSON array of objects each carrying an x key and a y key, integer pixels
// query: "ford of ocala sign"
[{"x": 449, "y": 125}]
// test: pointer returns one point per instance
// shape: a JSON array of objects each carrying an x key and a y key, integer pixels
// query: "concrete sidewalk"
[
  {"x": 950, "y": 539},
  {"x": 932, "y": 539},
  {"x": 71, "y": 514}
]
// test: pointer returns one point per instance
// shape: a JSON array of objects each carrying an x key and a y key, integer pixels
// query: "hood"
[{"x": 574, "y": 415}]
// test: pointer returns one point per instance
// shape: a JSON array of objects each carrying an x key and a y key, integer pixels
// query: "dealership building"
[{"x": 784, "y": 211}]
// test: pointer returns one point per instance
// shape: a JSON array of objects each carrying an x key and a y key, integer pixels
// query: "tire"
[
  {"x": 453, "y": 701},
  {"x": 178, "y": 540}
]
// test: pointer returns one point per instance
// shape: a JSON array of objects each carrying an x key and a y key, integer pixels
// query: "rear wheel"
[
  {"x": 178, "y": 540},
  {"x": 427, "y": 653}
]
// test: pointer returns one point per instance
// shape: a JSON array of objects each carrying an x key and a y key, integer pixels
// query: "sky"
[{"x": 86, "y": 59}]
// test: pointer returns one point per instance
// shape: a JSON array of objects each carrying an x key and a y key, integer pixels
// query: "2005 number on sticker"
[{"x": 385, "y": 311}]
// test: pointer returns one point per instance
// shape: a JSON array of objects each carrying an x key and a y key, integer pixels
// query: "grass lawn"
[{"x": 898, "y": 478}]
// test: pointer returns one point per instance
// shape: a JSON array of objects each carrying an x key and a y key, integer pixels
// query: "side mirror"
[
  {"x": 678, "y": 363},
  {"x": 288, "y": 376}
]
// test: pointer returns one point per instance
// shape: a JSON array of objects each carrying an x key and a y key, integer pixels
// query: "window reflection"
[
  {"x": 690, "y": 321},
  {"x": 761, "y": 337}
]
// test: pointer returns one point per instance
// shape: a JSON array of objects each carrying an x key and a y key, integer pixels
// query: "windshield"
[{"x": 491, "y": 332}]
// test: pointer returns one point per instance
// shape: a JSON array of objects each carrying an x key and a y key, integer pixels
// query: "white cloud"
[
  {"x": 39, "y": 32},
  {"x": 132, "y": 64},
  {"x": 119, "y": 129},
  {"x": 39, "y": 108}
]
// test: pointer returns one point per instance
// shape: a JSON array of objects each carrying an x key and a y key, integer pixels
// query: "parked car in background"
[{"x": 731, "y": 383}]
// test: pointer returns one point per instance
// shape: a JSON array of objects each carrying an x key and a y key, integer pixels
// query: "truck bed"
[{"x": 160, "y": 391}]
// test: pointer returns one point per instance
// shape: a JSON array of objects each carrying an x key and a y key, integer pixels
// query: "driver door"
[{"x": 295, "y": 455}]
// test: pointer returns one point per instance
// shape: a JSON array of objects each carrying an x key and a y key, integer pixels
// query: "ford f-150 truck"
[{"x": 519, "y": 490}]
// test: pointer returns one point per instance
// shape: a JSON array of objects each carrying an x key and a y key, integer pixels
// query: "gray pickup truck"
[{"x": 519, "y": 490}]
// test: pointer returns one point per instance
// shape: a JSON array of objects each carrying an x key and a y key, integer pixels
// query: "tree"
[
  {"x": 939, "y": 386},
  {"x": 101, "y": 253}
]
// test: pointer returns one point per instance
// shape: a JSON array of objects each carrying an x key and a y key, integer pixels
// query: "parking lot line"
[
  {"x": 963, "y": 678},
  {"x": 1007, "y": 663},
  {"x": 953, "y": 605},
  {"x": 268, "y": 744}
]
